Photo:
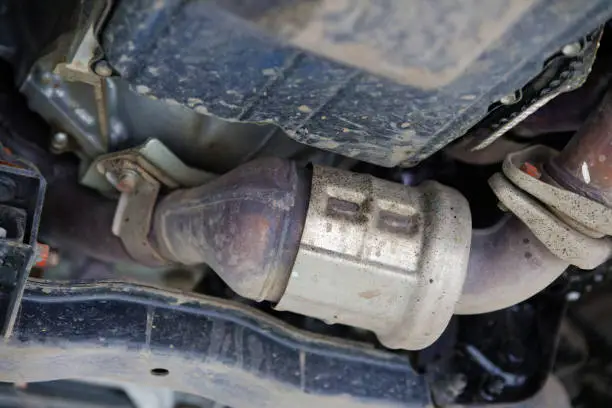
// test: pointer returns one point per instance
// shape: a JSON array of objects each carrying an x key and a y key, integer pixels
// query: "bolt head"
[
  {"x": 59, "y": 142},
  {"x": 127, "y": 181},
  {"x": 510, "y": 99},
  {"x": 103, "y": 69},
  {"x": 571, "y": 50}
]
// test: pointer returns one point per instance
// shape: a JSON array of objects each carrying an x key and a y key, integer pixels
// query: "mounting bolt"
[
  {"x": 495, "y": 386},
  {"x": 572, "y": 296},
  {"x": 59, "y": 142},
  {"x": 103, "y": 69},
  {"x": 127, "y": 181},
  {"x": 510, "y": 99},
  {"x": 571, "y": 50}
]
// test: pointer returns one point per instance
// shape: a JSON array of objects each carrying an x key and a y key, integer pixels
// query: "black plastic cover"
[{"x": 385, "y": 82}]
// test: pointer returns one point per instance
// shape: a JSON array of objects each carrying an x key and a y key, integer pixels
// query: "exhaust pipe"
[
  {"x": 246, "y": 225},
  {"x": 343, "y": 247},
  {"x": 399, "y": 261},
  {"x": 353, "y": 249},
  {"x": 349, "y": 248}
]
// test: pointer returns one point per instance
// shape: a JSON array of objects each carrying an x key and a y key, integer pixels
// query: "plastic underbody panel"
[{"x": 409, "y": 77}]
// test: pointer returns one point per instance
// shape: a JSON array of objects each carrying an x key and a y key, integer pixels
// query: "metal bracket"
[
  {"x": 139, "y": 174},
  {"x": 80, "y": 67},
  {"x": 569, "y": 71},
  {"x": 215, "y": 348},
  {"x": 132, "y": 221},
  {"x": 79, "y": 70},
  {"x": 153, "y": 157}
]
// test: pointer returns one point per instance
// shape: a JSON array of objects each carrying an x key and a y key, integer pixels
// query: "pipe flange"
[
  {"x": 588, "y": 213},
  {"x": 562, "y": 240}
]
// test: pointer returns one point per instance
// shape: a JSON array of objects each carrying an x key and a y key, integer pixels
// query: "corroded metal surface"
[
  {"x": 246, "y": 225},
  {"x": 585, "y": 165}
]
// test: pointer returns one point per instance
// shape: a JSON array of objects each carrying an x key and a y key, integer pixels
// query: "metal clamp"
[
  {"x": 139, "y": 174},
  {"x": 132, "y": 221}
]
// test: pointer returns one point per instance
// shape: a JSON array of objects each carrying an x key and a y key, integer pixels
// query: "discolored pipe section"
[
  {"x": 246, "y": 225},
  {"x": 585, "y": 165},
  {"x": 507, "y": 265}
]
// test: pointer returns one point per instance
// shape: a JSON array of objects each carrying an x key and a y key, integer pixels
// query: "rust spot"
[{"x": 531, "y": 169}]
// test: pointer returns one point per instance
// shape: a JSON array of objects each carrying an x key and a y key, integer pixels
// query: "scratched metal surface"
[{"x": 387, "y": 82}]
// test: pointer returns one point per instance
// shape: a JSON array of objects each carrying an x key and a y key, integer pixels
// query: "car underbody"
[{"x": 305, "y": 202}]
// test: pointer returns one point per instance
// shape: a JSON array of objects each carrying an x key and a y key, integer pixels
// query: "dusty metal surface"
[
  {"x": 246, "y": 225},
  {"x": 389, "y": 38},
  {"x": 565, "y": 242},
  {"x": 507, "y": 265},
  {"x": 381, "y": 256},
  {"x": 199, "y": 140},
  {"x": 212, "y": 57}
]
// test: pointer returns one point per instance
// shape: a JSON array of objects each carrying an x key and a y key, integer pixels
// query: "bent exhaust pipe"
[{"x": 349, "y": 248}]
